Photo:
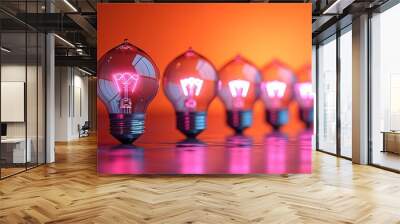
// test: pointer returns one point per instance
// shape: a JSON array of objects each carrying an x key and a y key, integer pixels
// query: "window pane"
[
  {"x": 13, "y": 86},
  {"x": 327, "y": 96},
  {"x": 386, "y": 89},
  {"x": 346, "y": 94}
]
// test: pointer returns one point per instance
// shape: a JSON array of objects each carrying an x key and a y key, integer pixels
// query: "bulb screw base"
[
  {"x": 127, "y": 127},
  {"x": 307, "y": 116},
  {"x": 191, "y": 123},
  {"x": 277, "y": 118},
  {"x": 239, "y": 120}
]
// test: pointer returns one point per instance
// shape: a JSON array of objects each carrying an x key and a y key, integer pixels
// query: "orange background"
[{"x": 259, "y": 32}]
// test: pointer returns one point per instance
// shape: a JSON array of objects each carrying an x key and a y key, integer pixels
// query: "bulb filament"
[
  {"x": 191, "y": 87},
  {"x": 239, "y": 90},
  {"x": 305, "y": 90},
  {"x": 126, "y": 85},
  {"x": 275, "y": 89}
]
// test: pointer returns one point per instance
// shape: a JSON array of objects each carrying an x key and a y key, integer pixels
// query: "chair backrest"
[{"x": 86, "y": 125}]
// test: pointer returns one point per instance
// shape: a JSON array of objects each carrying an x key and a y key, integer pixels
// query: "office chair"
[{"x": 84, "y": 130}]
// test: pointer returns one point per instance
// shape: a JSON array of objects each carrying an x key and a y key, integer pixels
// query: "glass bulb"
[
  {"x": 128, "y": 80},
  {"x": 304, "y": 95},
  {"x": 190, "y": 84},
  {"x": 277, "y": 92},
  {"x": 238, "y": 88}
]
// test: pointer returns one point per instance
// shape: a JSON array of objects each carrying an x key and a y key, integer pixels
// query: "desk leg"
[{"x": 384, "y": 143}]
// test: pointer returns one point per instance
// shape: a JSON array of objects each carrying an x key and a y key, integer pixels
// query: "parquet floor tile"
[{"x": 70, "y": 191}]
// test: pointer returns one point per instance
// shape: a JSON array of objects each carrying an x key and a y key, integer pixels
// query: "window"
[
  {"x": 22, "y": 93},
  {"x": 327, "y": 95},
  {"x": 385, "y": 89},
  {"x": 346, "y": 93}
]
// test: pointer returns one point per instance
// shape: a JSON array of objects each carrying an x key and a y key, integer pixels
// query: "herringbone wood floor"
[{"x": 70, "y": 191}]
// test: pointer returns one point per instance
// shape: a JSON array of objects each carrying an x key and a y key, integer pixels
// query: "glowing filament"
[
  {"x": 239, "y": 88},
  {"x": 275, "y": 89},
  {"x": 125, "y": 82},
  {"x": 305, "y": 90},
  {"x": 191, "y": 86}
]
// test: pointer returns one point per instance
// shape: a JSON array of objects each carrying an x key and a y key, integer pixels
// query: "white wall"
[
  {"x": 80, "y": 112},
  {"x": 71, "y": 102},
  {"x": 62, "y": 82},
  {"x": 13, "y": 73}
]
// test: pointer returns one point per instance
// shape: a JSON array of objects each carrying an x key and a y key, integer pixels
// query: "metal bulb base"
[
  {"x": 127, "y": 127},
  {"x": 307, "y": 116},
  {"x": 239, "y": 120},
  {"x": 191, "y": 123},
  {"x": 277, "y": 118}
]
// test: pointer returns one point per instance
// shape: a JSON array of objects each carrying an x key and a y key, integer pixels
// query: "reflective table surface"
[{"x": 272, "y": 153}]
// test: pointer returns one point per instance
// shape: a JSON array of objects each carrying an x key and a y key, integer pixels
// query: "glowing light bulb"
[
  {"x": 190, "y": 84},
  {"x": 277, "y": 92},
  {"x": 127, "y": 82},
  {"x": 238, "y": 89},
  {"x": 304, "y": 95}
]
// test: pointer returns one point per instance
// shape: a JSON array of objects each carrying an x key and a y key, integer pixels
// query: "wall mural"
[{"x": 204, "y": 88}]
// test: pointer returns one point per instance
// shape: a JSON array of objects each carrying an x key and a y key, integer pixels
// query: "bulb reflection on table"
[
  {"x": 276, "y": 153},
  {"x": 239, "y": 149},
  {"x": 190, "y": 154},
  {"x": 120, "y": 159},
  {"x": 304, "y": 147}
]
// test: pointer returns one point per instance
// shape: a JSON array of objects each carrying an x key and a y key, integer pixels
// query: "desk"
[
  {"x": 15, "y": 148},
  {"x": 391, "y": 141}
]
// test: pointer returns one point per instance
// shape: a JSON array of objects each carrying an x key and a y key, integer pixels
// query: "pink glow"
[
  {"x": 239, "y": 160},
  {"x": 190, "y": 103},
  {"x": 305, "y": 90},
  {"x": 191, "y": 86},
  {"x": 276, "y": 153},
  {"x": 192, "y": 161},
  {"x": 125, "y": 82},
  {"x": 121, "y": 160},
  {"x": 275, "y": 89},
  {"x": 239, "y": 88}
]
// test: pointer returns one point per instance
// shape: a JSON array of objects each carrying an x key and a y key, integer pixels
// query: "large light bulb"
[
  {"x": 127, "y": 82},
  {"x": 304, "y": 95},
  {"x": 277, "y": 92},
  {"x": 238, "y": 89},
  {"x": 190, "y": 83}
]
